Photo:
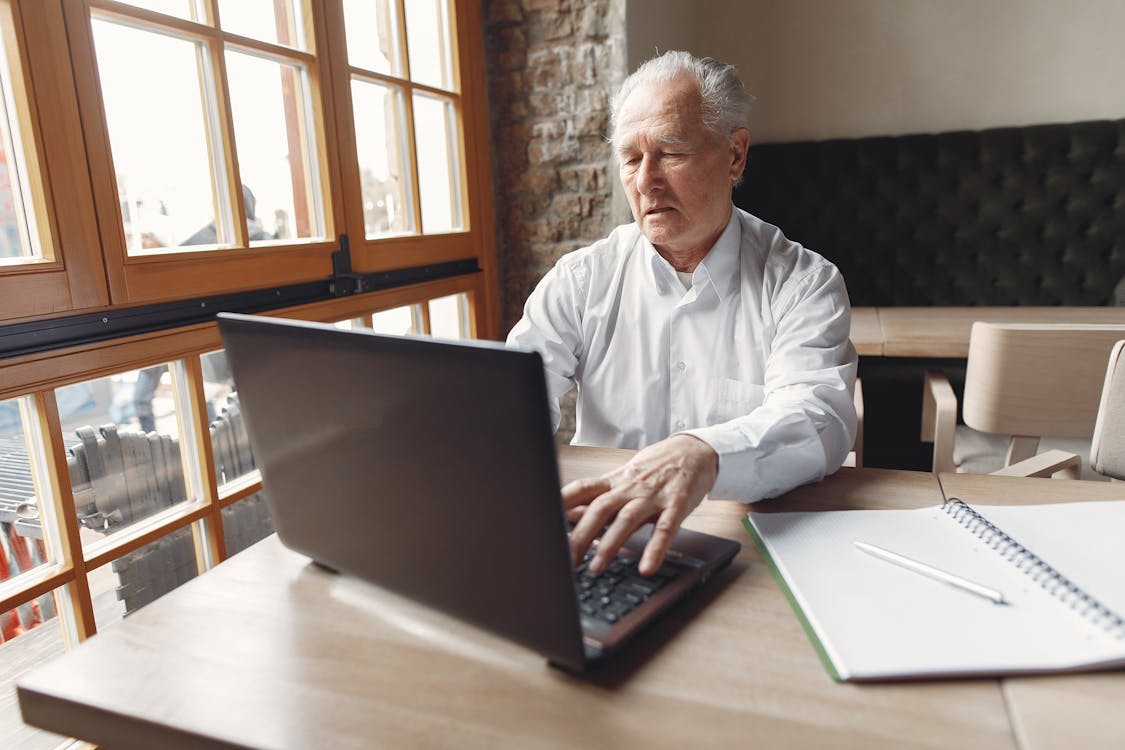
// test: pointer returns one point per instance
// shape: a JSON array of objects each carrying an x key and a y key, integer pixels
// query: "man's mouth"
[{"x": 659, "y": 210}]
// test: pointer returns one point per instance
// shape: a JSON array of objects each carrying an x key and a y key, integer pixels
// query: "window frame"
[
  {"x": 183, "y": 275},
  {"x": 37, "y": 376},
  {"x": 63, "y": 126},
  {"x": 46, "y": 108},
  {"x": 468, "y": 96}
]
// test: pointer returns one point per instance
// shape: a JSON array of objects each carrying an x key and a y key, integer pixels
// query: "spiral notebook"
[{"x": 1061, "y": 568}]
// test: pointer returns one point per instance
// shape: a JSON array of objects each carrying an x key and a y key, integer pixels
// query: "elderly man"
[{"x": 699, "y": 333}]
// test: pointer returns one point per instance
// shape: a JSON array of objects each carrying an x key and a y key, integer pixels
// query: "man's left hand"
[{"x": 663, "y": 483}]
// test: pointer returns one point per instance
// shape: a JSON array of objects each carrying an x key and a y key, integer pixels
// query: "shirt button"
[
  {"x": 681, "y": 365},
  {"x": 680, "y": 425}
]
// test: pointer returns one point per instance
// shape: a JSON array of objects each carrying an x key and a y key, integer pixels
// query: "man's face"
[{"x": 677, "y": 175}]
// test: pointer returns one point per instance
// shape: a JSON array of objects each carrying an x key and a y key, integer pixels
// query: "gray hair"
[{"x": 726, "y": 103}]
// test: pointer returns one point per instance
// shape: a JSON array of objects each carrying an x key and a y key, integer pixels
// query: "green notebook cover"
[{"x": 817, "y": 645}]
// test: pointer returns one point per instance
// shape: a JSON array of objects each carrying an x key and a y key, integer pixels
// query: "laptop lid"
[{"x": 429, "y": 468}]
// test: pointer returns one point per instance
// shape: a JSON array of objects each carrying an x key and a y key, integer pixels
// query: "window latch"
[{"x": 345, "y": 281}]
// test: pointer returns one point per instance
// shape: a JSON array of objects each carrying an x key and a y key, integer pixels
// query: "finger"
[
  {"x": 582, "y": 491},
  {"x": 574, "y": 515},
  {"x": 631, "y": 517},
  {"x": 663, "y": 532},
  {"x": 597, "y": 515}
]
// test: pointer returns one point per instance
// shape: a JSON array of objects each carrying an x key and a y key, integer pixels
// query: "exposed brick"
[
  {"x": 511, "y": 49},
  {"x": 534, "y": 6},
  {"x": 540, "y": 181},
  {"x": 590, "y": 21},
  {"x": 552, "y": 66},
  {"x": 500, "y": 11},
  {"x": 557, "y": 26}
]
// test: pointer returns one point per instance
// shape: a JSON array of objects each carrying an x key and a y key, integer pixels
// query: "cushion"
[{"x": 983, "y": 453}]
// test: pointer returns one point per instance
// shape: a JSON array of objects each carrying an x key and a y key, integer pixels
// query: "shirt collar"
[{"x": 719, "y": 268}]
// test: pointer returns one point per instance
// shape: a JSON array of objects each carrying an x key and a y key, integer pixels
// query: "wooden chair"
[
  {"x": 1023, "y": 381},
  {"x": 1107, "y": 450},
  {"x": 855, "y": 457}
]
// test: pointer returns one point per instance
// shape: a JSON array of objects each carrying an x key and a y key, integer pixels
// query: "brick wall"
[{"x": 552, "y": 67}]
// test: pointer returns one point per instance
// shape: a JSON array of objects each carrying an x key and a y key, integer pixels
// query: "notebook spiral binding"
[{"x": 1051, "y": 580}]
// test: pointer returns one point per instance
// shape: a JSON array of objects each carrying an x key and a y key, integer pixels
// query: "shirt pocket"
[{"x": 734, "y": 398}]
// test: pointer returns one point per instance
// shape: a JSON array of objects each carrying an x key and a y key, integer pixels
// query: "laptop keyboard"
[{"x": 618, "y": 590}]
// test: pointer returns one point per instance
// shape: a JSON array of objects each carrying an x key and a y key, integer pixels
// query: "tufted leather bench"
[{"x": 1007, "y": 216}]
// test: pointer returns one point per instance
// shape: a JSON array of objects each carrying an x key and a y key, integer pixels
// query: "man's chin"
[{"x": 659, "y": 228}]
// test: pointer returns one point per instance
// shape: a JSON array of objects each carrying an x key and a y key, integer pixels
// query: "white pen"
[{"x": 964, "y": 584}]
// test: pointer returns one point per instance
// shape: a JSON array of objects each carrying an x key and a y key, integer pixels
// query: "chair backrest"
[
  {"x": 1107, "y": 451},
  {"x": 1037, "y": 379}
]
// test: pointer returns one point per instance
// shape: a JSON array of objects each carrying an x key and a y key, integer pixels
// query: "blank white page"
[
  {"x": 1083, "y": 541},
  {"x": 878, "y": 620}
]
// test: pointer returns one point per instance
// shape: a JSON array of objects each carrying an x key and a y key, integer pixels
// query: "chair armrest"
[
  {"x": 1044, "y": 465},
  {"x": 857, "y": 446},
  {"x": 939, "y": 418}
]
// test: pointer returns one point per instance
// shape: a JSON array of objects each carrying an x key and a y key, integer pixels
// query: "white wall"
[{"x": 844, "y": 68}]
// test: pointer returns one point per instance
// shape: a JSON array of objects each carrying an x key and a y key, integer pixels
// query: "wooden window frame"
[
  {"x": 65, "y": 125},
  {"x": 469, "y": 97},
  {"x": 37, "y": 376},
  {"x": 73, "y": 278},
  {"x": 169, "y": 276}
]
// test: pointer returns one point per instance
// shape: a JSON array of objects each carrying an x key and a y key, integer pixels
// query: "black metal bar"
[{"x": 75, "y": 330}]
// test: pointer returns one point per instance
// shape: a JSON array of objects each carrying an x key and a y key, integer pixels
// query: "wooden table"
[
  {"x": 1062, "y": 711},
  {"x": 867, "y": 334},
  {"x": 944, "y": 331},
  {"x": 268, "y": 651}
]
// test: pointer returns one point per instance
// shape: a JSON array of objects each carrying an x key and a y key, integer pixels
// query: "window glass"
[
  {"x": 382, "y": 156},
  {"x": 230, "y": 443},
  {"x": 371, "y": 29},
  {"x": 123, "y": 586},
  {"x": 156, "y": 104},
  {"x": 352, "y": 324},
  {"x": 427, "y": 38},
  {"x": 448, "y": 317},
  {"x": 273, "y": 21},
  {"x": 269, "y": 102},
  {"x": 246, "y": 522},
  {"x": 126, "y": 457},
  {"x": 435, "y": 128},
  {"x": 400, "y": 321},
  {"x": 19, "y": 241},
  {"x": 22, "y": 648},
  {"x": 26, "y": 536},
  {"x": 187, "y": 9}
]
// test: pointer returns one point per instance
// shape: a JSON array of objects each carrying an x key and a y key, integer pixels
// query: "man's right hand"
[{"x": 663, "y": 483}]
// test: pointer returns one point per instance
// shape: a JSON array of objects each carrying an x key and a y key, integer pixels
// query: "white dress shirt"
[{"x": 754, "y": 358}]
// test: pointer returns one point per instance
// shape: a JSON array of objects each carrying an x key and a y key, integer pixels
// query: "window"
[
  {"x": 205, "y": 146},
  {"x": 414, "y": 106},
  {"x": 158, "y": 151},
  {"x": 50, "y": 259}
]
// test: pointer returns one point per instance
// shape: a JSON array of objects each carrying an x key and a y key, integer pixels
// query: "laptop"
[{"x": 429, "y": 468}]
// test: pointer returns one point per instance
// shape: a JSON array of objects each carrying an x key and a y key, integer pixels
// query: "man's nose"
[{"x": 650, "y": 175}]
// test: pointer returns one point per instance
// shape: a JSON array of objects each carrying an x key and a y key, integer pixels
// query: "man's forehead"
[{"x": 666, "y": 111}]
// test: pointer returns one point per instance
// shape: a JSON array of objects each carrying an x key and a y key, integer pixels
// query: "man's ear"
[{"x": 739, "y": 145}]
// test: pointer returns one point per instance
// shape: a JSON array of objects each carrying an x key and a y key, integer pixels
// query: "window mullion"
[
  {"x": 403, "y": 50},
  {"x": 61, "y": 498},
  {"x": 201, "y": 434},
  {"x": 220, "y": 110},
  {"x": 408, "y": 117},
  {"x": 412, "y": 151}
]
